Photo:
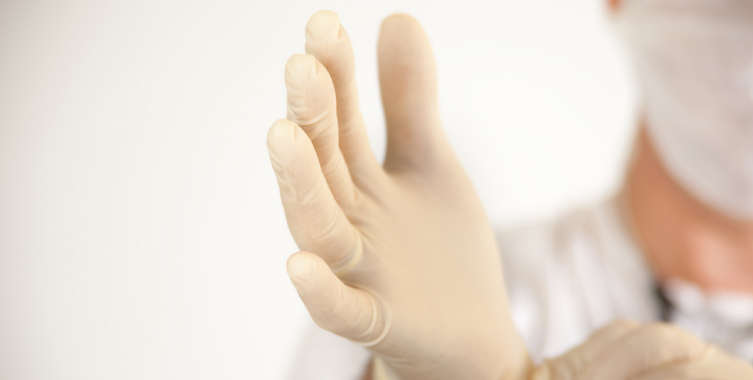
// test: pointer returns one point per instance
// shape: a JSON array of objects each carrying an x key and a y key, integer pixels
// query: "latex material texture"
[{"x": 398, "y": 257}]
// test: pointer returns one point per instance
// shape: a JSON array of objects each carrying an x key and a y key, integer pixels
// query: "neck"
[{"x": 680, "y": 236}]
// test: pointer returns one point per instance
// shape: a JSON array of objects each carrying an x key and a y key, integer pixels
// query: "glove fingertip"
[
  {"x": 282, "y": 135},
  {"x": 301, "y": 268},
  {"x": 323, "y": 26}
]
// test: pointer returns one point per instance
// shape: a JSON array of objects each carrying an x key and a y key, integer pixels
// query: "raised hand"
[{"x": 399, "y": 258}]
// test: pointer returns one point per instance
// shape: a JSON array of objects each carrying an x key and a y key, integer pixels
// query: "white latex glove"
[
  {"x": 713, "y": 364},
  {"x": 654, "y": 351},
  {"x": 399, "y": 258}
]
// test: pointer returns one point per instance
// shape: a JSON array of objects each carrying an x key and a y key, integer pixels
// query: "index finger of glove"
[{"x": 315, "y": 219}]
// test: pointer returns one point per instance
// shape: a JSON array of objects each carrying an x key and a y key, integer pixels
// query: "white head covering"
[{"x": 694, "y": 61}]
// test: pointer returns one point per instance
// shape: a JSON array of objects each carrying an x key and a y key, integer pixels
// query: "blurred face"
[{"x": 691, "y": 184}]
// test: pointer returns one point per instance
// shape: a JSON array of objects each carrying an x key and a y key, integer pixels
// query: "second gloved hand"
[{"x": 625, "y": 350}]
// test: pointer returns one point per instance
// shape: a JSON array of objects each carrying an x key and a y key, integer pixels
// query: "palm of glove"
[{"x": 399, "y": 258}]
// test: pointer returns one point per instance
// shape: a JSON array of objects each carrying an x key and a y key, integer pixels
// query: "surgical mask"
[
  {"x": 694, "y": 62},
  {"x": 721, "y": 318}
]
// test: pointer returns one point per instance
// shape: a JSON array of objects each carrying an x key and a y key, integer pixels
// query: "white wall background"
[{"x": 141, "y": 234}]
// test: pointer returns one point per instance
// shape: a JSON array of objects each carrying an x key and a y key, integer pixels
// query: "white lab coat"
[{"x": 565, "y": 279}]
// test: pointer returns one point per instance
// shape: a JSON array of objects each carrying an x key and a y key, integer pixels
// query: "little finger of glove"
[{"x": 341, "y": 309}]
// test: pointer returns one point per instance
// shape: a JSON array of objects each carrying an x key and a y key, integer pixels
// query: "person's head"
[{"x": 694, "y": 63}]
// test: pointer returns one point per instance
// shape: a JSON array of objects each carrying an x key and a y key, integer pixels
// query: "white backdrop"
[{"x": 141, "y": 234}]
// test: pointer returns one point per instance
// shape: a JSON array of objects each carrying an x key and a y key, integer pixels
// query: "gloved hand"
[
  {"x": 654, "y": 351},
  {"x": 399, "y": 258}
]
